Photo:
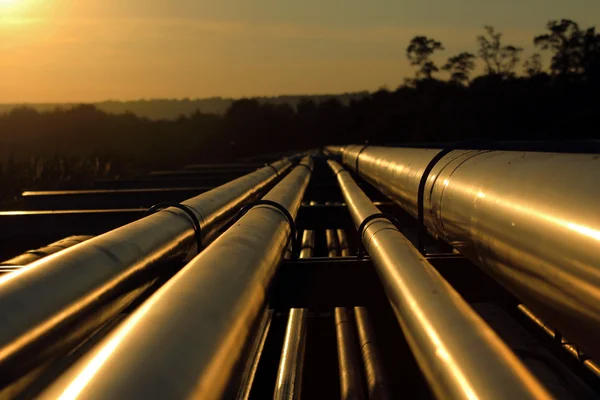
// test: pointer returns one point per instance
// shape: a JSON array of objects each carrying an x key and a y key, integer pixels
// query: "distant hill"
[{"x": 174, "y": 108}]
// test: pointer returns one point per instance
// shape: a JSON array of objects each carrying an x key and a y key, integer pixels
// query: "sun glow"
[{"x": 9, "y": 2}]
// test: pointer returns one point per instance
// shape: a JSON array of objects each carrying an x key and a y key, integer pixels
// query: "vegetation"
[{"x": 82, "y": 143}]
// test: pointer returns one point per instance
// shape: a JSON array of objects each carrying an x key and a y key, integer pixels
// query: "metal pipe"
[
  {"x": 343, "y": 241},
  {"x": 254, "y": 358},
  {"x": 308, "y": 244},
  {"x": 377, "y": 384},
  {"x": 530, "y": 220},
  {"x": 448, "y": 338},
  {"x": 289, "y": 375},
  {"x": 33, "y": 255},
  {"x": 185, "y": 340},
  {"x": 99, "y": 278},
  {"x": 571, "y": 348},
  {"x": 348, "y": 359},
  {"x": 291, "y": 364},
  {"x": 333, "y": 247}
]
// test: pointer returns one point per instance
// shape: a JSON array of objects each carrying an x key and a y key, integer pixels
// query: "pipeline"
[
  {"x": 196, "y": 325},
  {"x": 291, "y": 364},
  {"x": 33, "y": 255},
  {"x": 448, "y": 338},
  {"x": 50, "y": 305},
  {"x": 529, "y": 220},
  {"x": 377, "y": 383}
]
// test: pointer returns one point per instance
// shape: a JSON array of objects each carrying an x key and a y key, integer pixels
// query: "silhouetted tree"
[
  {"x": 499, "y": 59},
  {"x": 533, "y": 66},
  {"x": 564, "y": 40},
  {"x": 419, "y": 53},
  {"x": 460, "y": 67}
]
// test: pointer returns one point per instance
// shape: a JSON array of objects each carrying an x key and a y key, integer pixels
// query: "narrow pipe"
[
  {"x": 448, "y": 338},
  {"x": 530, "y": 220},
  {"x": 289, "y": 375},
  {"x": 333, "y": 246},
  {"x": 348, "y": 358},
  {"x": 185, "y": 340},
  {"x": 564, "y": 342},
  {"x": 254, "y": 357},
  {"x": 308, "y": 244},
  {"x": 102, "y": 276},
  {"x": 291, "y": 364},
  {"x": 377, "y": 383},
  {"x": 343, "y": 241}
]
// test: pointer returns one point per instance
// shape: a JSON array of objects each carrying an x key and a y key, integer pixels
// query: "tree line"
[{"x": 557, "y": 102}]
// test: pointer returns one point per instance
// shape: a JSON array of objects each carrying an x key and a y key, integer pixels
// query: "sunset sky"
[{"x": 92, "y": 50}]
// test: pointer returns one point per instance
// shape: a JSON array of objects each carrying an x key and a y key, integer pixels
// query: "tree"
[
  {"x": 419, "y": 52},
  {"x": 533, "y": 66},
  {"x": 564, "y": 40},
  {"x": 499, "y": 59},
  {"x": 590, "y": 54},
  {"x": 576, "y": 52},
  {"x": 460, "y": 66}
]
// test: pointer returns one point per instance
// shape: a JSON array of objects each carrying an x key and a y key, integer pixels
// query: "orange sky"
[{"x": 92, "y": 50}]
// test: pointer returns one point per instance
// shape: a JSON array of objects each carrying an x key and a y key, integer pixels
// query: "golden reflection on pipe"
[
  {"x": 344, "y": 245},
  {"x": 571, "y": 348},
  {"x": 348, "y": 359},
  {"x": 377, "y": 384},
  {"x": 291, "y": 364}
]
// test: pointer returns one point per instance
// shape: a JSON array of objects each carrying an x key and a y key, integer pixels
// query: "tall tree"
[
  {"x": 533, "y": 66},
  {"x": 419, "y": 53},
  {"x": 499, "y": 59},
  {"x": 460, "y": 67},
  {"x": 564, "y": 40}
]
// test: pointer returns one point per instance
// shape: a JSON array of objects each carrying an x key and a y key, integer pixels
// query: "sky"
[{"x": 94, "y": 50}]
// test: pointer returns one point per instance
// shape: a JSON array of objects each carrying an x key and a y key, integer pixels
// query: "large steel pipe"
[
  {"x": 530, "y": 220},
  {"x": 461, "y": 356},
  {"x": 185, "y": 340},
  {"x": 50, "y": 305}
]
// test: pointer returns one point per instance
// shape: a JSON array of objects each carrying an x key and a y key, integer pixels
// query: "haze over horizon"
[{"x": 55, "y": 51}]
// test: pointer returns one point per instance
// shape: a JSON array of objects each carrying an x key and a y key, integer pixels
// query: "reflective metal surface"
[
  {"x": 459, "y": 354},
  {"x": 50, "y": 305},
  {"x": 377, "y": 383},
  {"x": 254, "y": 357},
  {"x": 185, "y": 340},
  {"x": 530, "y": 220},
  {"x": 344, "y": 245},
  {"x": 307, "y": 244},
  {"x": 289, "y": 374},
  {"x": 348, "y": 358},
  {"x": 34, "y": 255},
  {"x": 572, "y": 348}
]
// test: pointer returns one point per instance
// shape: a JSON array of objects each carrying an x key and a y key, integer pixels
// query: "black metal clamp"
[
  {"x": 358, "y": 158},
  {"x": 188, "y": 211},
  {"x": 272, "y": 167},
  {"x": 284, "y": 211},
  {"x": 421, "y": 231},
  {"x": 363, "y": 225}
]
